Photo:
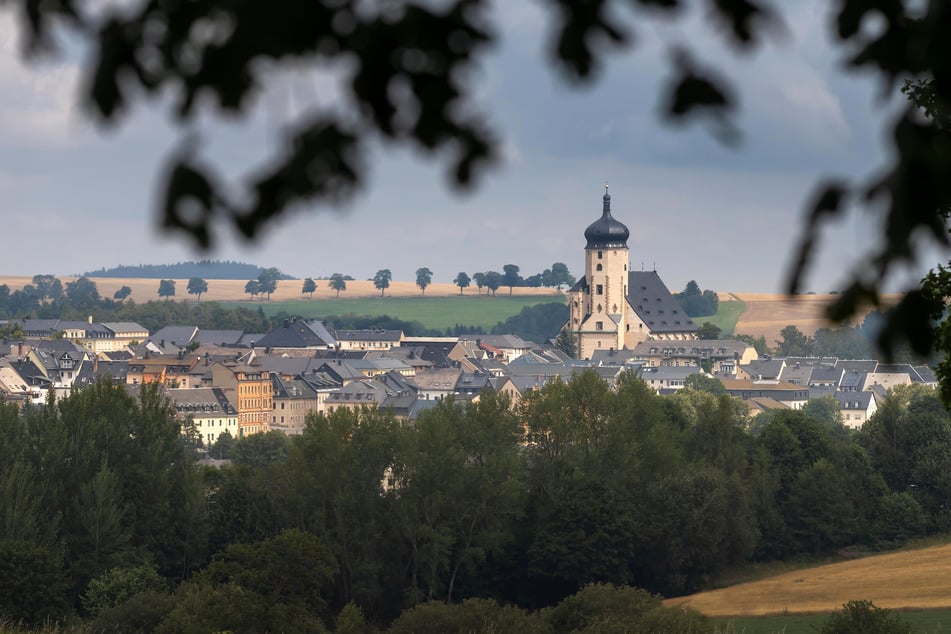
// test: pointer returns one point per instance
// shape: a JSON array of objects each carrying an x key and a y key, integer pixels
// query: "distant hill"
[{"x": 208, "y": 269}]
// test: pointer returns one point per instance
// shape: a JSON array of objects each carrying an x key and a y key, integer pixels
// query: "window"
[
  {"x": 599, "y": 267},
  {"x": 600, "y": 290},
  {"x": 599, "y": 325},
  {"x": 600, "y": 254}
]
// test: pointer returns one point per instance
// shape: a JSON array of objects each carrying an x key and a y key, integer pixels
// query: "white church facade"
[{"x": 612, "y": 307}]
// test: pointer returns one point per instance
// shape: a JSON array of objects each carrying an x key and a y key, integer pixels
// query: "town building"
[
  {"x": 612, "y": 307},
  {"x": 249, "y": 389},
  {"x": 209, "y": 411}
]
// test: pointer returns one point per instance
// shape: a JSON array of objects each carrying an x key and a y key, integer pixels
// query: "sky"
[{"x": 75, "y": 196}]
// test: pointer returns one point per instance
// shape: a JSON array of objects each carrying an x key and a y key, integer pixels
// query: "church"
[{"x": 612, "y": 307}]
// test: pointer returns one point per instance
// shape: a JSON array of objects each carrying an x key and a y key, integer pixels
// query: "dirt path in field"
[{"x": 914, "y": 579}]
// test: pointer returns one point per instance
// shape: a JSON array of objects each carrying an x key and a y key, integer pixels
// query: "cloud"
[{"x": 37, "y": 98}]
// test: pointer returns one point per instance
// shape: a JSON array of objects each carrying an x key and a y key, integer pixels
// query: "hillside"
[
  {"x": 912, "y": 579},
  {"x": 764, "y": 314},
  {"x": 208, "y": 269},
  {"x": 233, "y": 290},
  {"x": 767, "y": 314}
]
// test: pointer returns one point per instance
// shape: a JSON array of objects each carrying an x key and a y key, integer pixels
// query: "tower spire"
[{"x": 607, "y": 200}]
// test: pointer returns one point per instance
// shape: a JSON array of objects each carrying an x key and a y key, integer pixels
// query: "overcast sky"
[{"x": 75, "y": 198}]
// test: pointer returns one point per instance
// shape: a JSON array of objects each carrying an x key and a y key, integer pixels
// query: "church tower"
[{"x": 598, "y": 302}]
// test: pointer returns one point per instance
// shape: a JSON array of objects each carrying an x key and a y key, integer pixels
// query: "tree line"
[
  {"x": 696, "y": 303},
  {"x": 107, "y": 516},
  {"x": 48, "y": 298},
  {"x": 208, "y": 269},
  {"x": 844, "y": 342}
]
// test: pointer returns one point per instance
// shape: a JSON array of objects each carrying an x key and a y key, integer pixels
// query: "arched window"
[{"x": 598, "y": 268}]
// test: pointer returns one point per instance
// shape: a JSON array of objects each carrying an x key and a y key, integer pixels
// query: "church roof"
[
  {"x": 606, "y": 232},
  {"x": 654, "y": 304}
]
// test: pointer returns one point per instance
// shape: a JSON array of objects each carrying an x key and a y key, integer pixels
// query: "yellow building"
[
  {"x": 612, "y": 307},
  {"x": 249, "y": 389}
]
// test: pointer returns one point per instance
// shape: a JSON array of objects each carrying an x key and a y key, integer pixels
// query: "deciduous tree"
[
  {"x": 462, "y": 281},
  {"x": 253, "y": 287},
  {"x": 82, "y": 293},
  {"x": 48, "y": 287},
  {"x": 382, "y": 280},
  {"x": 492, "y": 280},
  {"x": 338, "y": 283},
  {"x": 560, "y": 276},
  {"x": 166, "y": 289},
  {"x": 309, "y": 286},
  {"x": 268, "y": 279},
  {"x": 197, "y": 286},
  {"x": 793, "y": 343},
  {"x": 424, "y": 277},
  {"x": 510, "y": 276},
  {"x": 479, "y": 279}
]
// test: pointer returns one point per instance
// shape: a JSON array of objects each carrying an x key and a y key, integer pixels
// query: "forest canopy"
[{"x": 474, "y": 506}]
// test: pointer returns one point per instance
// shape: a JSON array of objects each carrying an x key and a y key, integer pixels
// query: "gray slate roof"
[
  {"x": 654, "y": 304},
  {"x": 765, "y": 368},
  {"x": 612, "y": 356},
  {"x": 857, "y": 365},
  {"x": 123, "y": 327},
  {"x": 851, "y": 401},
  {"x": 297, "y": 334},
  {"x": 368, "y": 335},
  {"x": 174, "y": 336},
  {"x": 796, "y": 374},
  {"x": 219, "y": 337},
  {"x": 822, "y": 374}
]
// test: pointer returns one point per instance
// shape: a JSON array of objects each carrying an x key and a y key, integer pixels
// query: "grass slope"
[
  {"x": 437, "y": 313},
  {"x": 728, "y": 313},
  {"x": 907, "y": 579},
  {"x": 922, "y": 621}
]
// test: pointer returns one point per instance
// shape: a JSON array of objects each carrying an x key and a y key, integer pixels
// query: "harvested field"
[
  {"x": 233, "y": 290},
  {"x": 766, "y": 315},
  {"x": 912, "y": 579}
]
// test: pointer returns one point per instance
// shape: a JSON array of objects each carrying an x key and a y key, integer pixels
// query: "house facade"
[{"x": 250, "y": 390}]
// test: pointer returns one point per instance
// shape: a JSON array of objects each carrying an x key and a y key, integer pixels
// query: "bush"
[
  {"x": 119, "y": 584},
  {"x": 474, "y": 616},
  {"x": 862, "y": 617}
]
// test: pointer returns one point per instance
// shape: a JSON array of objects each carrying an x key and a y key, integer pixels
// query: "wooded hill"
[{"x": 208, "y": 269}]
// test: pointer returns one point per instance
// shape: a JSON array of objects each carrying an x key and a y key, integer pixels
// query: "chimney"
[{"x": 89, "y": 318}]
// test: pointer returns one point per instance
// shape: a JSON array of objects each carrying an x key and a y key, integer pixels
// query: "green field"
[
  {"x": 437, "y": 313},
  {"x": 728, "y": 313},
  {"x": 922, "y": 622}
]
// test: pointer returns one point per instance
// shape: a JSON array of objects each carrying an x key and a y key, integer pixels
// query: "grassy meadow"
[
  {"x": 922, "y": 622},
  {"x": 728, "y": 313},
  {"x": 437, "y": 313}
]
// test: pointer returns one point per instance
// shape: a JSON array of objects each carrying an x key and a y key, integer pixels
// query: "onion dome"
[{"x": 606, "y": 232}]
